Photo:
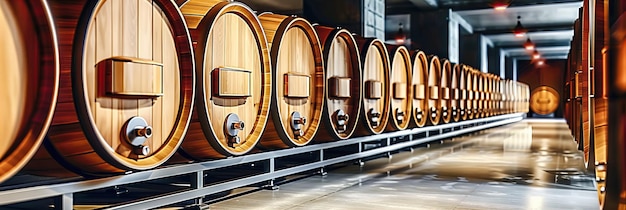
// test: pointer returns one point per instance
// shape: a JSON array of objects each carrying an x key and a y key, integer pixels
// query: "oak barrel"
[
  {"x": 463, "y": 96},
  {"x": 420, "y": 85},
  {"x": 470, "y": 109},
  {"x": 480, "y": 94},
  {"x": 455, "y": 90},
  {"x": 29, "y": 81},
  {"x": 434, "y": 89},
  {"x": 126, "y": 87},
  {"x": 375, "y": 107},
  {"x": 298, "y": 81},
  {"x": 544, "y": 100},
  {"x": 487, "y": 94},
  {"x": 234, "y": 80},
  {"x": 401, "y": 90},
  {"x": 446, "y": 91},
  {"x": 343, "y": 93}
]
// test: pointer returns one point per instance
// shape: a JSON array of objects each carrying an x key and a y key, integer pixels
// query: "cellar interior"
[{"x": 312, "y": 104}]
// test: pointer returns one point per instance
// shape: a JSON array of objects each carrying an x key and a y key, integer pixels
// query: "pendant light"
[
  {"x": 529, "y": 45},
  {"x": 400, "y": 35},
  {"x": 536, "y": 55},
  {"x": 519, "y": 30},
  {"x": 500, "y": 5}
]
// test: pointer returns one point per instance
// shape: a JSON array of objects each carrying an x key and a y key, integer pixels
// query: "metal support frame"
[{"x": 64, "y": 192}]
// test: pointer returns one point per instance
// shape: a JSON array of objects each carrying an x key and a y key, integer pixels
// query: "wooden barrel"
[
  {"x": 234, "y": 80},
  {"x": 419, "y": 82},
  {"x": 512, "y": 96},
  {"x": 464, "y": 102},
  {"x": 126, "y": 87},
  {"x": 470, "y": 110},
  {"x": 375, "y": 107},
  {"x": 298, "y": 81},
  {"x": 446, "y": 91},
  {"x": 434, "y": 89},
  {"x": 343, "y": 84},
  {"x": 544, "y": 100},
  {"x": 29, "y": 79},
  {"x": 401, "y": 90},
  {"x": 497, "y": 97},
  {"x": 503, "y": 96},
  {"x": 526, "y": 101},
  {"x": 480, "y": 93},
  {"x": 486, "y": 93},
  {"x": 455, "y": 100}
]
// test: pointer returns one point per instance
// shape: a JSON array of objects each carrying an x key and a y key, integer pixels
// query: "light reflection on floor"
[{"x": 532, "y": 164}]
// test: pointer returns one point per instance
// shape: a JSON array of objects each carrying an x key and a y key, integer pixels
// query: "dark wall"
[
  {"x": 549, "y": 74},
  {"x": 429, "y": 32},
  {"x": 337, "y": 13},
  {"x": 493, "y": 57},
  {"x": 469, "y": 48},
  {"x": 508, "y": 68}
]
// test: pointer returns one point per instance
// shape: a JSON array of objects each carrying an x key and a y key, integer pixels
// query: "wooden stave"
[
  {"x": 445, "y": 81},
  {"x": 393, "y": 123},
  {"x": 276, "y": 135},
  {"x": 455, "y": 100},
  {"x": 434, "y": 81},
  {"x": 328, "y": 131},
  {"x": 46, "y": 72},
  {"x": 201, "y": 133},
  {"x": 71, "y": 119},
  {"x": 419, "y": 116},
  {"x": 364, "y": 126}
]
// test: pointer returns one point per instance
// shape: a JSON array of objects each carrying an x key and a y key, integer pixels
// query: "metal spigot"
[
  {"x": 374, "y": 117},
  {"x": 342, "y": 119},
  {"x": 297, "y": 121}
]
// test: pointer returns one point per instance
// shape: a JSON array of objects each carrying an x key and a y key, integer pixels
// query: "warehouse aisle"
[{"x": 532, "y": 164}]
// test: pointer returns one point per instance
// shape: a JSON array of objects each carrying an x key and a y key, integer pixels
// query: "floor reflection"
[{"x": 533, "y": 164}]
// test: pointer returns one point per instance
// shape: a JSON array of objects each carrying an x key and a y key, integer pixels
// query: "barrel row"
[{"x": 115, "y": 86}]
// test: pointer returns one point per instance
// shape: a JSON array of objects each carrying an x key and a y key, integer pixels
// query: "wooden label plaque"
[
  {"x": 231, "y": 82},
  {"x": 399, "y": 90},
  {"x": 131, "y": 77},
  {"x": 420, "y": 92},
  {"x": 296, "y": 85},
  {"x": 373, "y": 89},
  {"x": 339, "y": 87}
]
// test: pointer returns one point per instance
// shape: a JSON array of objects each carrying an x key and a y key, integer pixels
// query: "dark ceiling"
[{"x": 549, "y": 22}]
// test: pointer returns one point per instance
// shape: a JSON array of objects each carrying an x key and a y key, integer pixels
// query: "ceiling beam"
[
  {"x": 535, "y": 29},
  {"x": 546, "y": 57},
  {"x": 534, "y": 7},
  {"x": 425, "y": 4},
  {"x": 537, "y": 44}
]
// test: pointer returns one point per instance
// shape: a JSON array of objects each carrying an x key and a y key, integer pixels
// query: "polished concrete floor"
[{"x": 533, "y": 164}]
